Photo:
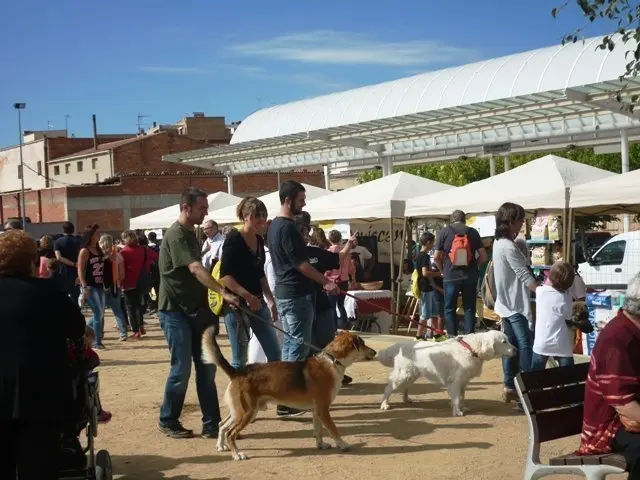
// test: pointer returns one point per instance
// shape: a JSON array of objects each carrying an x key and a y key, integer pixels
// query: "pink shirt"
[{"x": 341, "y": 274}]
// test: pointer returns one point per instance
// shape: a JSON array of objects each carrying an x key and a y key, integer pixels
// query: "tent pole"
[
  {"x": 403, "y": 249},
  {"x": 566, "y": 225},
  {"x": 392, "y": 276},
  {"x": 570, "y": 255}
]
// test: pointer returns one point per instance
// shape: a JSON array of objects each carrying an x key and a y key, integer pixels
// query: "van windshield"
[{"x": 611, "y": 254}]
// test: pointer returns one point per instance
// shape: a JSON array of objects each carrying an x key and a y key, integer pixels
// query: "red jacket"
[{"x": 134, "y": 264}]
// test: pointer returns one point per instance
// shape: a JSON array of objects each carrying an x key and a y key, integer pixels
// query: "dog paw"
[
  {"x": 385, "y": 406},
  {"x": 344, "y": 447},
  {"x": 407, "y": 400},
  {"x": 222, "y": 448},
  {"x": 323, "y": 446},
  {"x": 458, "y": 413},
  {"x": 240, "y": 456}
]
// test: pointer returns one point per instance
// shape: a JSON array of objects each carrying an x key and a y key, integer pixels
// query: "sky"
[{"x": 166, "y": 59}]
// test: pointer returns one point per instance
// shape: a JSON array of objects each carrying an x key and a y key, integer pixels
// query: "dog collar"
[
  {"x": 333, "y": 360},
  {"x": 468, "y": 347}
]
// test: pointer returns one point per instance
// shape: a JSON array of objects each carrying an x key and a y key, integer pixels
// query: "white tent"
[
  {"x": 227, "y": 215},
  {"x": 543, "y": 183},
  {"x": 381, "y": 198},
  {"x": 164, "y": 217},
  {"x": 608, "y": 196}
]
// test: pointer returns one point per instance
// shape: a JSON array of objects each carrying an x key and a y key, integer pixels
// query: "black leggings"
[
  {"x": 135, "y": 308},
  {"x": 24, "y": 439},
  {"x": 628, "y": 444}
]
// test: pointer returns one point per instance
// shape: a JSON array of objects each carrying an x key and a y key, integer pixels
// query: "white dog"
[{"x": 452, "y": 364}]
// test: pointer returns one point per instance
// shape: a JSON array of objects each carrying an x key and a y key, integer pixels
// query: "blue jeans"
[
  {"x": 324, "y": 328},
  {"x": 539, "y": 362},
  {"x": 466, "y": 288},
  {"x": 516, "y": 328},
  {"x": 238, "y": 325},
  {"x": 297, "y": 316},
  {"x": 184, "y": 346},
  {"x": 428, "y": 306},
  {"x": 112, "y": 300},
  {"x": 95, "y": 300}
]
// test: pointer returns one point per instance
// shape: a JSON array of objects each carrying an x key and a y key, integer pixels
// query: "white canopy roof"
[
  {"x": 611, "y": 195},
  {"x": 381, "y": 198},
  {"x": 228, "y": 215},
  {"x": 164, "y": 217},
  {"x": 564, "y": 94},
  {"x": 539, "y": 184}
]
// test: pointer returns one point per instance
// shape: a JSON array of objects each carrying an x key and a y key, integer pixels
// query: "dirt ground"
[{"x": 415, "y": 441}]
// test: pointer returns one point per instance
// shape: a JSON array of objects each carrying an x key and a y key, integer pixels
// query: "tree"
[
  {"x": 467, "y": 170},
  {"x": 624, "y": 15}
]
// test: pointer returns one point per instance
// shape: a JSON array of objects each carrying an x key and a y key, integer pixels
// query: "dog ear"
[{"x": 357, "y": 342}]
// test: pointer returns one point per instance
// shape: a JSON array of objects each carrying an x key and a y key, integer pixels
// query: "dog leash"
[
  {"x": 391, "y": 312},
  {"x": 249, "y": 313}
]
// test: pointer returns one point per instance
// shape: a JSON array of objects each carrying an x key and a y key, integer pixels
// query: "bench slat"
[
  {"x": 554, "y": 377},
  {"x": 538, "y": 400},
  {"x": 612, "y": 459},
  {"x": 555, "y": 424}
]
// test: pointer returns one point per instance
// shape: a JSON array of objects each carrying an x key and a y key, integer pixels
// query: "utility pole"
[{"x": 19, "y": 107}]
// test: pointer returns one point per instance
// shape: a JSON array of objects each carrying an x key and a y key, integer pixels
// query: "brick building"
[
  {"x": 111, "y": 205},
  {"x": 109, "y": 179}
]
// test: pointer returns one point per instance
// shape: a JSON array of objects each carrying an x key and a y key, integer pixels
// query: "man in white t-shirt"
[
  {"x": 554, "y": 304},
  {"x": 212, "y": 247}
]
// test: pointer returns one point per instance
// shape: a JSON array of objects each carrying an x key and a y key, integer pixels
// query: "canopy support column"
[
  {"x": 230, "y": 184},
  {"x": 278, "y": 178},
  {"x": 327, "y": 178},
  {"x": 507, "y": 163},
  {"x": 492, "y": 166}
]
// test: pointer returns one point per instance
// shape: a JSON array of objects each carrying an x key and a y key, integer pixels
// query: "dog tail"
[{"x": 211, "y": 352}]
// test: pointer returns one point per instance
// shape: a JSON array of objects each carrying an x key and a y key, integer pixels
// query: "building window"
[
  {"x": 67, "y": 168},
  {"x": 56, "y": 170},
  {"x": 79, "y": 165},
  {"x": 94, "y": 163},
  {"x": 19, "y": 172},
  {"x": 39, "y": 168}
]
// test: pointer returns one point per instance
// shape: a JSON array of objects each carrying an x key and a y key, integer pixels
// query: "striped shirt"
[{"x": 613, "y": 381}]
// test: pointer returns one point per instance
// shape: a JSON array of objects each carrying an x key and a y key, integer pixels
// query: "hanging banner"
[
  {"x": 484, "y": 224},
  {"x": 375, "y": 228}
]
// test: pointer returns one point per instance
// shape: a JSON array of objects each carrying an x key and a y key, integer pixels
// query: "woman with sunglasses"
[{"x": 242, "y": 272}]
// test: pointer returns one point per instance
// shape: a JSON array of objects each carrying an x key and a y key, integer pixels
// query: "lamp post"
[{"x": 19, "y": 107}]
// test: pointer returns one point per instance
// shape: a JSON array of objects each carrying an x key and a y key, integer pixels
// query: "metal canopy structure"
[{"x": 534, "y": 101}]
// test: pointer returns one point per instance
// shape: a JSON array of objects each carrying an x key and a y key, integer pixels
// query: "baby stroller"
[{"x": 78, "y": 462}]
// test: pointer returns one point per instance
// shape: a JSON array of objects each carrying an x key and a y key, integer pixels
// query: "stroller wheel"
[{"x": 104, "y": 470}]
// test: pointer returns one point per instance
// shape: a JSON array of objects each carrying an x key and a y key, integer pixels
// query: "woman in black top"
[
  {"x": 36, "y": 317},
  {"x": 91, "y": 274},
  {"x": 242, "y": 272}
]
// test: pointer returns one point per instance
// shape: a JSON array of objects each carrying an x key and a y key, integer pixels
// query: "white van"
[{"x": 614, "y": 264}]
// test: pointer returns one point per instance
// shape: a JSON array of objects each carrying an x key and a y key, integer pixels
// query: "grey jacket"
[{"x": 513, "y": 278}]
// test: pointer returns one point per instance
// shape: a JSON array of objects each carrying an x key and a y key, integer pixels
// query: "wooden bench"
[{"x": 553, "y": 402}]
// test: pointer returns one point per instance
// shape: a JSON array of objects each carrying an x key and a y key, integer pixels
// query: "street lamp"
[{"x": 18, "y": 107}]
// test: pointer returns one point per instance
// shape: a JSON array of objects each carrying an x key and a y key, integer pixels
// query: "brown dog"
[{"x": 310, "y": 384}]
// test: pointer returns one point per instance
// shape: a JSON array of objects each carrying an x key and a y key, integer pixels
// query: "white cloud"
[
  {"x": 330, "y": 47},
  {"x": 252, "y": 70},
  {"x": 174, "y": 70}
]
